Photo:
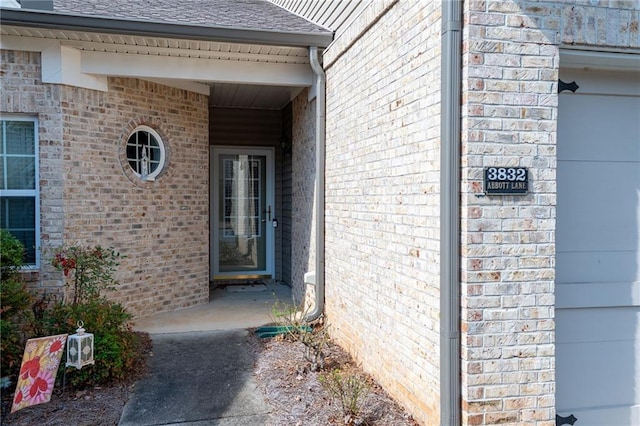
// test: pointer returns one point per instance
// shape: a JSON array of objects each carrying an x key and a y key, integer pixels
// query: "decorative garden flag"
[{"x": 38, "y": 371}]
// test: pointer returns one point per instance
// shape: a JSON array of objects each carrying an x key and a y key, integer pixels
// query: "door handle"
[{"x": 268, "y": 212}]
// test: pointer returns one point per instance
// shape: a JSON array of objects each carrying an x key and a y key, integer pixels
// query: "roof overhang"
[
  {"x": 56, "y": 20},
  {"x": 242, "y": 68}
]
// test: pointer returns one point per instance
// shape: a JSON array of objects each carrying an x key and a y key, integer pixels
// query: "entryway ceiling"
[{"x": 251, "y": 96}]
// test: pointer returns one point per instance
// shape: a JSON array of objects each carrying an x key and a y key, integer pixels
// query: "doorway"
[{"x": 243, "y": 214}]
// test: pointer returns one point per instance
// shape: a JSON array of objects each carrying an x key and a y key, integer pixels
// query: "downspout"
[
  {"x": 450, "y": 104},
  {"x": 318, "y": 307}
]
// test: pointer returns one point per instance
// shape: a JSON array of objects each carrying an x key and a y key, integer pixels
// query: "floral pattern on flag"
[{"x": 38, "y": 371}]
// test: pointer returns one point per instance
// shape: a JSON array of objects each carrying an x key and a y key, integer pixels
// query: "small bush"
[
  {"x": 14, "y": 325},
  {"x": 12, "y": 258},
  {"x": 88, "y": 271},
  {"x": 315, "y": 342},
  {"x": 16, "y": 299},
  {"x": 115, "y": 345},
  {"x": 315, "y": 339},
  {"x": 15, "y": 303},
  {"x": 349, "y": 391},
  {"x": 12, "y": 347}
]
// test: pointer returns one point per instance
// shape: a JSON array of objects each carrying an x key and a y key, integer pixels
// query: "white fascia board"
[
  {"x": 62, "y": 65},
  {"x": 214, "y": 70},
  {"x": 582, "y": 58}
]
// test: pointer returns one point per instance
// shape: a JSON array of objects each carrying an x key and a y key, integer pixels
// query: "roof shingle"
[{"x": 245, "y": 14}]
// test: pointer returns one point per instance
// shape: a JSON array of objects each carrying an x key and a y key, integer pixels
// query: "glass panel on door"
[{"x": 243, "y": 214}]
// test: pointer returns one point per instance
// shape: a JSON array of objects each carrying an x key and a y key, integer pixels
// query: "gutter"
[
  {"x": 96, "y": 24},
  {"x": 450, "y": 113},
  {"x": 318, "y": 277}
]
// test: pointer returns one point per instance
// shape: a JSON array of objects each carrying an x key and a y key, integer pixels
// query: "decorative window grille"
[
  {"x": 146, "y": 153},
  {"x": 19, "y": 187},
  {"x": 241, "y": 183}
]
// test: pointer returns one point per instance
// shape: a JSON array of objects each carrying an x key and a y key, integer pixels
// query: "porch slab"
[{"x": 226, "y": 310}]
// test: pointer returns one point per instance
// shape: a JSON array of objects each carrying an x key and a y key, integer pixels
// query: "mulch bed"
[
  {"x": 98, "y": 405},
  {"x": 300, "y": 397}
]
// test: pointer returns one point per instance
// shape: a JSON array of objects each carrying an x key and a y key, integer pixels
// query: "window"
[
  {"x": 19, "y": 201},
  {"x": 242, "y": 180},
  {"x": 145, "y": 153}
]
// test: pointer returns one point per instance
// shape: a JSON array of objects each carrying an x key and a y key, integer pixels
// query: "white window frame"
[
  {"x": 161, "y": 162},
  {"x": 35, "y": 193}
]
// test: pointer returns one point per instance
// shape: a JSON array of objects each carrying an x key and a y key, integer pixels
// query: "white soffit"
[{"x": 162, "y": 46}]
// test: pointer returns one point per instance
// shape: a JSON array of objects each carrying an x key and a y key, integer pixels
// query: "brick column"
[{"x": 509, "y": 119}]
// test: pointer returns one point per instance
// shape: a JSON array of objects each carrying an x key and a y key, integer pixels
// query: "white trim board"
[{"x": 598, "y": 59}]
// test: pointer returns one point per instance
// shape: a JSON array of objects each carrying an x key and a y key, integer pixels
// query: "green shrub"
[
  {"x": 12, "y": 254},
  {"x": 15, "y": 303},
  {"x": 12, "y": 347},
  {"x": 16, "y": 299},
  {"x": 14, "y": 321},
  {"x": 115, "y": 345},
  {"x": 88, "y": 271}
]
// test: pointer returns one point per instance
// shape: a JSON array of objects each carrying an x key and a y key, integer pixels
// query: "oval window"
[{"x": 145, "y": 153}]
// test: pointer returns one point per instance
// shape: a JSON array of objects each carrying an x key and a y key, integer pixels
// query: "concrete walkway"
[
  {"x": 231, "y": 307},
  {"x": 198, "y": 379},
  {"x": 201, "y": 371}
]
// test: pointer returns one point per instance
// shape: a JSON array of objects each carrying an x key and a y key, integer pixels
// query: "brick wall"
[
  {"x": 382, "y": 195},
  {"x": 303, "y": 168},
  {"x": 511, "y": 63},
  {"x": 162, "y": 226},
  {"x": 286, "y": 217},
  {"x": 23, "y": 93},
  {"x": 89, "y": 196}
]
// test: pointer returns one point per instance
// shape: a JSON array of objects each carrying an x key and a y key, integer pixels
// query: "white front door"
[
  {"x": 242, "y": 209},
  {"x": 598, "y": 249}
]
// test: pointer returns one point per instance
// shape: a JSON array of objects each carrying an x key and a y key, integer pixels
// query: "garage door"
[{"x": 598, "y": 249}]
